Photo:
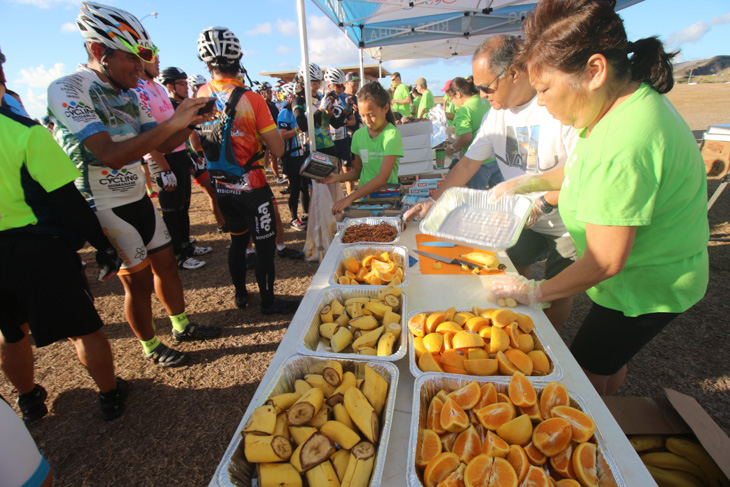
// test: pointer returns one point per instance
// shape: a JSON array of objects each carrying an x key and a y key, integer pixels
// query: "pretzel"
[{"x": 382, "y": 232}]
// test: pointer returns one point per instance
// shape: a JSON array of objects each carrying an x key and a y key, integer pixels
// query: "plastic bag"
[
  {"x": 322, "y": 225},
  {"x": 440, "y": 124}
]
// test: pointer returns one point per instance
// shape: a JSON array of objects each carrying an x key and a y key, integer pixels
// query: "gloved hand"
[
  {"x": 518, "y": 185},
  {"x": 199, "y": 163},
  {"x": 541, "y": 208},
  {"x": 109, "y": 263},
  {"x": 169, "y": 181},
  {"x": 419, "y": 210},
  {"x": 523, "y": 290}
]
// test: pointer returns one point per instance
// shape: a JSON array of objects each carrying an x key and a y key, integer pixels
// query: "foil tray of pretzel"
[{"x": 371, "y": 230}]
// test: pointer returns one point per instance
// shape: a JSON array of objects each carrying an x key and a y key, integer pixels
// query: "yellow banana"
[
  {"x": 393, "y": 290},
  {"x": 267, "y": 449},
  {"x": 362, "y": 413},
  {"x": 332, "y": 373},
  {"x": 360, "y": 466},
  {"x": 364, "y": 323},
  {"x": 300, "y": 434},
  {"x": 668, "y": 460},
  {"x": 278, "y": 475},
  {"x": 341, "y": 340},
  {"x": 301, "y": 386},
  {"x": 375, "y": 389},
  {"x": 368, "y": 339},
  {"x": 340, "y": 413},
  {"x": 343, "y": 319},
  {"x": 281, "y": 427},
  {"x": 391, "y": 317},
  {"x": 282, "y": 402},
  {"x": 322, "y": 416},
  {"x": 340, "y": 434},
  {"x": 350, "y": 301},
  {"x": 367, "y": 351},
  {"x": 378, "y": 309},
  {"x": 326, "y": 315},
  {"x": 312, "y": 452},
  {"x": 323, "y": 475},
  {"x": 386, "y": 343},
  {"x": 348, "y": 380},
  {"x": 670, "y": 478},
  {"x": 317, "y": 380},
  {"x": 337, "y": 307},
  {"x": 263, "y": 421},
  {"x": 339, "y": 460},
  {"x": 481, "y": 258},
  {"x": 302, "y": 411},
  {"x": 696, "y": 454},
  {"x": 354, "y": 310},
  {"x": 328, "y": 330},
  {"x": 643, "y": 443}
]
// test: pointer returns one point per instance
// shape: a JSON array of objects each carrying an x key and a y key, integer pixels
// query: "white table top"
[{"x": 428, "y": 293}]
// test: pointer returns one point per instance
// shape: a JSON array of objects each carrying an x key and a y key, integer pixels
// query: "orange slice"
[
  {"x": 417, "y": 324},
  {"x": 552, "y": 436},
  {"x": 427, "y": 363},
  {"x": 453, "y": 418},
  {"x": 582, "y": 425},
  {"x": 540, "y": 362},
  {"x": 536, "y": 477},
  {"x": 467, "y": 339},
  {"x": 487, "y": 396},
  {"x": 447, "y": 327},
  {"x": 476, "y": 323},
  {"x": 524, "y": 322},
  {"x": 503, "y": 475},
  {"x": 433, "y": 342},
  {"x": 495, "y": 415},
  {"x": 494, "y": 446},
  {"x": 517, "y": 431},
  {"x": 534, "y": 455},
  {"x": 584, "y": 464},
  {"x": 481, "y": 366},
  {"x": 433, "y": 416},
  {"x": 466, "y": 397},
  {"x": 439, "y": 468},
  {"x": 448, "y": 440},
  {"x": 521, "y": 391},
  {"x": 455, "y": 478},
  {"x": 430, "y": 447},
  {"x": 554, "y": 394},
  {"x": 434, "y": 320},
  {"x": 520, "y": 360},
  {"x": 519, "y": 461},
  {"x": 468, "y": 444},
  {"x": 563, "y": 464},
  {"x": 478, "y": 471},
  {"x": 532, "y": 411}
]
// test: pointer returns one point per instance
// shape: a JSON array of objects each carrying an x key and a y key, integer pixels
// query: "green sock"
[
  {"x": 179, "y": 322},
  {"x": 149, "y": 345}
]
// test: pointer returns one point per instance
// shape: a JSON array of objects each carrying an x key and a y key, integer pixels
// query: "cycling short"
[
  {"x": 533, "y": 247},
  {"x": 135, "y": 230},
  {"x": 343, "y": 148},
  {"x": 42, "y": 284},
  {"x": 608, "y": 339},
  {"x": 21, "y": 463},
  {"x": 248, "y": 211}
]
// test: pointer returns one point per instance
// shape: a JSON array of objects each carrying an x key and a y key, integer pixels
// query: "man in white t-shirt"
[{"x": 524, "y": 138}]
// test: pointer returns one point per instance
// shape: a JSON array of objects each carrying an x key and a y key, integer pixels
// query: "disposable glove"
[
  {"x": 518, "y": 185},
  {"x": 538, "y": 211},
  {"x": 169, "y": 181},
  {"x": 523, "y": 290},
  {"x": 199, "y": 163},
  {"x": 419, "y": 210}
]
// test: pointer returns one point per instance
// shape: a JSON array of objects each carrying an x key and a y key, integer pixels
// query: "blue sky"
[{"x": 41, "y": 43}]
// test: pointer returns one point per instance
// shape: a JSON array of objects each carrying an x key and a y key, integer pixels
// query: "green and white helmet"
[{"x": 116, "y": 29}]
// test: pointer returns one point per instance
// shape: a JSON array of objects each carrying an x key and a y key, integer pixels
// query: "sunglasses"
[
  {"x": 144, "y": 53},
  {"x": 486, "y": 89}
]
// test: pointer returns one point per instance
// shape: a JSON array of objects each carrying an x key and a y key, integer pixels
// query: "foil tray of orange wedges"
[{"x": 372, "y": 265}]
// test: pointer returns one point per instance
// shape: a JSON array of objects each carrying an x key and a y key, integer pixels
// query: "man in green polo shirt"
[
  {"x": 426, "y": 103},
  {"x": 401, "y": 102}
]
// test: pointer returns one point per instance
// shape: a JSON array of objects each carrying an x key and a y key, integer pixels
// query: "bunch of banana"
[
  {"x": 366, "y": 326},
  {"x": 325, "y": 431},
  {"x": 678, "y": 462}
]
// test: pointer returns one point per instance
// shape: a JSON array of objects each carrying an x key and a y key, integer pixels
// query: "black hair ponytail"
[
  {"x": 377, "y": 94},
  {"x": 651, "y": 64}
]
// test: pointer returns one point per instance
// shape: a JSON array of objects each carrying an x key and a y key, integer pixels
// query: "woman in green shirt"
[
  {"x": 377, "y": 147},
  {"x": 633, "y": 193}
]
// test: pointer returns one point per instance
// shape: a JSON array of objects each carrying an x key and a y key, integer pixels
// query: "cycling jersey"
[
  {"x": 287, "y": 121},
  {"x": 155, "y": 98},
  {"x": 252, "y": 119},
  {"x": 340, "y": 132},
  {"x": 82, "y": 105}
]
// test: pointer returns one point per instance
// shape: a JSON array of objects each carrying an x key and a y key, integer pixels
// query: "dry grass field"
[{"x": 178, "y": 422}]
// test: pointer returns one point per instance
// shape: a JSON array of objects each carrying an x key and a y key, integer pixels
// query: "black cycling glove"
[{"x": 109, "y": 262}]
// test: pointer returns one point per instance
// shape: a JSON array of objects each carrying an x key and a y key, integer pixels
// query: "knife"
[
  {"x": 449, "y": 260},
  {"x": 437, "y": 244}
]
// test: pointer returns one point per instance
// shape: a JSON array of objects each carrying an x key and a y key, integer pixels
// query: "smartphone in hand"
[{"x": 208, "y": 107}]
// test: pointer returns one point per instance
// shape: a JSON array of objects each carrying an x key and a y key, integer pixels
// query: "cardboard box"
[
  {"x": 716, "y": 154},
  {"x": 414, "y": 155},
  {"x": 417, "y": 167},
  {"x": 674, "y": 414},
  {"x": 416, "y": 128},
  {"x": 416, "y": 141}
]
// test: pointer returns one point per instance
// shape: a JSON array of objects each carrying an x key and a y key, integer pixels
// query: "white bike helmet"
[
  {"x": 115, "y": 29},
  {"x": 218, "y": 44},
  {"x": 289, "y": 89},
  {"x": 195, "y": 80},
  {"x": 334, "y": 76},
  {"x": 315, "y": 72}
]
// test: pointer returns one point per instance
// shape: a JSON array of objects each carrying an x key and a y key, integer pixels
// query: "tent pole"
[
  {"x": 380, "y": 70},
  {"x": 307, "y": 80},
  {"x": 362, "y": 68}
]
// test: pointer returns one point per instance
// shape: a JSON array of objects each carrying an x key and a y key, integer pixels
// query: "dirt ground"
[{"x": 178, "y": 422}]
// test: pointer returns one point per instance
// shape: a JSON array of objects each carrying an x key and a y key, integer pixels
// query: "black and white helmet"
[
  {"x": 216, "y": 44},
  {"x": 315, "y": 73},
  {"x": 334, "y": 76},
  {"x": 195, "y": 80},
  {"x": 113, "y": 27},
  {"x": 289, "y": 89},
  {"x": 170, "y": 75}
]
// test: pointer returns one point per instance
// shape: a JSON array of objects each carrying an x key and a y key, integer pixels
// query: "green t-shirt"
[
  {"x": 469, "y": 117},
  {"x": 31, "y": 164},
  {"x": 416, "y": 102},
  {"x": 425, "y": 104},
  {"x": 641, "y": 167},
  {"x": 372, "y": 151},
  {"x": 401, "y": 93}
]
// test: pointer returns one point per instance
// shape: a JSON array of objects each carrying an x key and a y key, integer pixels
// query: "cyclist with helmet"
[
  {"x": 323, "y": 109},
  {"x": 293, "y": 157},
  {"x": 246, "y": 202},
  {"x": 106, "y": 129},
  {"x": 10, "y": 99},
  {"x": 265, "y": 90},
  {"x": 175, "y": 80},
  {"x": 343, "y": 117},
  {"x": 195, "y": 81},
  {"x": 171, "y": 171}
]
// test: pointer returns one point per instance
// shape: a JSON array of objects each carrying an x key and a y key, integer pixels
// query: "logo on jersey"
[
  {"x": 118, "y": 179},
  {"x": 265, "y": 219},
  {"x": 78, "y": 111}
]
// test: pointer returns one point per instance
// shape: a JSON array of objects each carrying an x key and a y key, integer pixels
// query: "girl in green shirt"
[
  {"x": 377, "y": 147},
  {"x": 633, "y": 194}
]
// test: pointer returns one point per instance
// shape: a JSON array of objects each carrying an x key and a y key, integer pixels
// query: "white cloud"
[
  {"x": 283, "y": 50},
  {"x": 287, "y": 27},
  {"x": 39, "y": 76},
  {"x": 329, "y": 46},
  {"x": 698, "y": 30},
  {"x": 260, "y": 29},
  {"x": 69, "y": 27},
  {"x": 36, "y": 104},
  {"x": 46, "y": 3}
]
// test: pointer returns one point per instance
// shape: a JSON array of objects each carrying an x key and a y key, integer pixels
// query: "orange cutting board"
[{"x": 450, "y": 252}]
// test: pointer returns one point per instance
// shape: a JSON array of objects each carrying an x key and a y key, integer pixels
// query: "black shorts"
[
  {"x": 292, "y": 165},
  {"x": 248, "y": 211},
  {"x": 41, "y": 283},
  {"x": 533, "y": 247},
  {"x": 343, "y": 148},
  {"x": 608, "y": 339}
]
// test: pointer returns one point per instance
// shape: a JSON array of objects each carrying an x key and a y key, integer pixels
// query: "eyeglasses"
[
  {"x": 144, "y": 53},
  {"x": 486, "y": 89}
]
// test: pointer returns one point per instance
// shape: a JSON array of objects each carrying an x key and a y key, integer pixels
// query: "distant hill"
[{"x": 716, "y": 67}]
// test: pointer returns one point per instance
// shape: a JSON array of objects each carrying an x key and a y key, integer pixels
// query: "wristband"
[{"x": 547, "y": 207}]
